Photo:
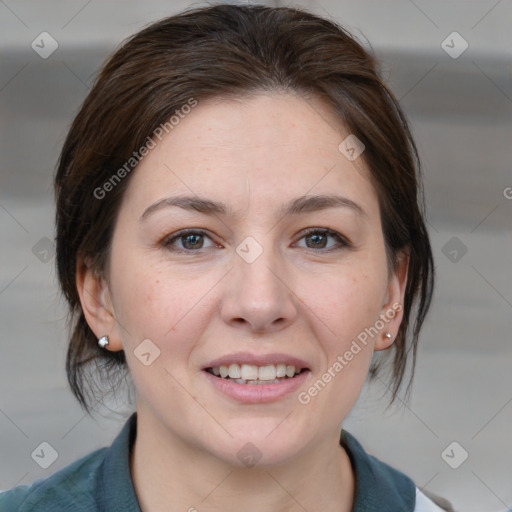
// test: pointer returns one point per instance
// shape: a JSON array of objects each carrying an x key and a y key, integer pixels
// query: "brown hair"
[{"x": 224, "y": 51}]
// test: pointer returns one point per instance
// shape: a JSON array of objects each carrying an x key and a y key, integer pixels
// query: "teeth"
[
  {"x": 267, "y": 372},
  {"x": 234, "y": 371},
  {"x": 258, "y": 382},
  {"x": 250, "y": 372},
  {"x": 281, "y": 370}
]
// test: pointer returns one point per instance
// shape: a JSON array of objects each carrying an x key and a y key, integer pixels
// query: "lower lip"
[{"x": 257, "y": 393}]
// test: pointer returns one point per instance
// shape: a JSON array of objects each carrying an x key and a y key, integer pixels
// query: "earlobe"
[
  {"x": 392, "y": 309},
  {"x": 97, "y": 305}
]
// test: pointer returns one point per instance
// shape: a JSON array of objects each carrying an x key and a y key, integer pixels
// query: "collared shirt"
[{"x": 101, "y": 482}]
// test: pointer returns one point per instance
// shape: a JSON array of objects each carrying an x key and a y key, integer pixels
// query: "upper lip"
[{"x": 257, "y": 359}]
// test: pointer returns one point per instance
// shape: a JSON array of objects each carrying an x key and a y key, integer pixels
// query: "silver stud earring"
[
  {"x": 103, "y": 341},
  {"x": 387, "y": 335}
]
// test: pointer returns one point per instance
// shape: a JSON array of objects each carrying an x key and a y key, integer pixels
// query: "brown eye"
[
  {"x": 318, "y": 239},
  {"x": 187, "y": 241},
  {"x": 192, "y": 241}
]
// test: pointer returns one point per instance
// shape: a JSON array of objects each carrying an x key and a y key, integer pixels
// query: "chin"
[{"x": 259, "y": 444}]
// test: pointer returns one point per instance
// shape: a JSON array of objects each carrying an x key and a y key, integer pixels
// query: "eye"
[
  {"x": 193, "y": 240},
  {"x": 188, "y": 240},
  {"x": 318, "y": 239}
]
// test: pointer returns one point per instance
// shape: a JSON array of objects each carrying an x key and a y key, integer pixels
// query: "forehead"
[{"x": 264, "y": 148}]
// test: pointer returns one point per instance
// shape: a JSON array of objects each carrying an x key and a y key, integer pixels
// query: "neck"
[{"x": 170, "y": 474}]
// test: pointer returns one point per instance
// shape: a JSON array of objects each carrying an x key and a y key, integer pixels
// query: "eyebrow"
[{"x": 303, "y": 204}]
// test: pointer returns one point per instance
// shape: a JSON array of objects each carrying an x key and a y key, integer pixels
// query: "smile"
[
  {"x": 274, "y": 381},
  {"x": 252, "y": 374}
]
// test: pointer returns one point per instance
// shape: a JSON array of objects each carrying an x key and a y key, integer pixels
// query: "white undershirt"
[{"x": 424, "y": 504}]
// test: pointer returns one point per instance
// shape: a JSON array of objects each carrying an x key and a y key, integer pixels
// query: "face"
[{"x": 262, "y": 270}]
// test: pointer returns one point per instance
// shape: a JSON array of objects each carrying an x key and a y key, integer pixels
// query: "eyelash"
[{"x": 341, "y": 240}]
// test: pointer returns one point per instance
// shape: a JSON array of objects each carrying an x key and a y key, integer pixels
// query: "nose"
[{"x": 259, "y": 295}]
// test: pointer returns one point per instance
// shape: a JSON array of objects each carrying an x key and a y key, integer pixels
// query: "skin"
[{"x": 254, "y": 154}]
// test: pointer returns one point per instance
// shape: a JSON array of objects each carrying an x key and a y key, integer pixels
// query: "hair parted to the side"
[{"x": 230, "y": 51}]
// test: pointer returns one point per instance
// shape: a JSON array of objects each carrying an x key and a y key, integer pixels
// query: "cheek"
[
  {"x": 345, "y": 306},
  {"x": 346, "y": 301},
  {"x": 167, "y": 309}
]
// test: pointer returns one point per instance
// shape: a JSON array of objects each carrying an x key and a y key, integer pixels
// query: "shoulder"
[
  {"x": 379, "y": 486},
  {"x": 100, "y": 480},
  {"x": 71, "y": 488}
]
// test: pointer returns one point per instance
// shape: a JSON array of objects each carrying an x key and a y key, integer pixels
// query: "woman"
[{"x": 238, "y": 226}]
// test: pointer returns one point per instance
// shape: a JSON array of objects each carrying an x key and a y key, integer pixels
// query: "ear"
[
  {"x": 392, "y": 308},
  {"x": 97, "y": 306}
]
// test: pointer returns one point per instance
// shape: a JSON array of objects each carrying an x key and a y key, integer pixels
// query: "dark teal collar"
[
  {"x": 114, "y": 489},
  {"x": 378, "y": 486}
]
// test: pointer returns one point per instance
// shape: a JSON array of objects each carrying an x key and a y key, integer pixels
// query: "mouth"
[{"x": 256, "y": 375}]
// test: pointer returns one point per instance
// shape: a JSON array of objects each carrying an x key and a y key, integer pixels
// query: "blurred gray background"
[{"x": 459, "y": 101}]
